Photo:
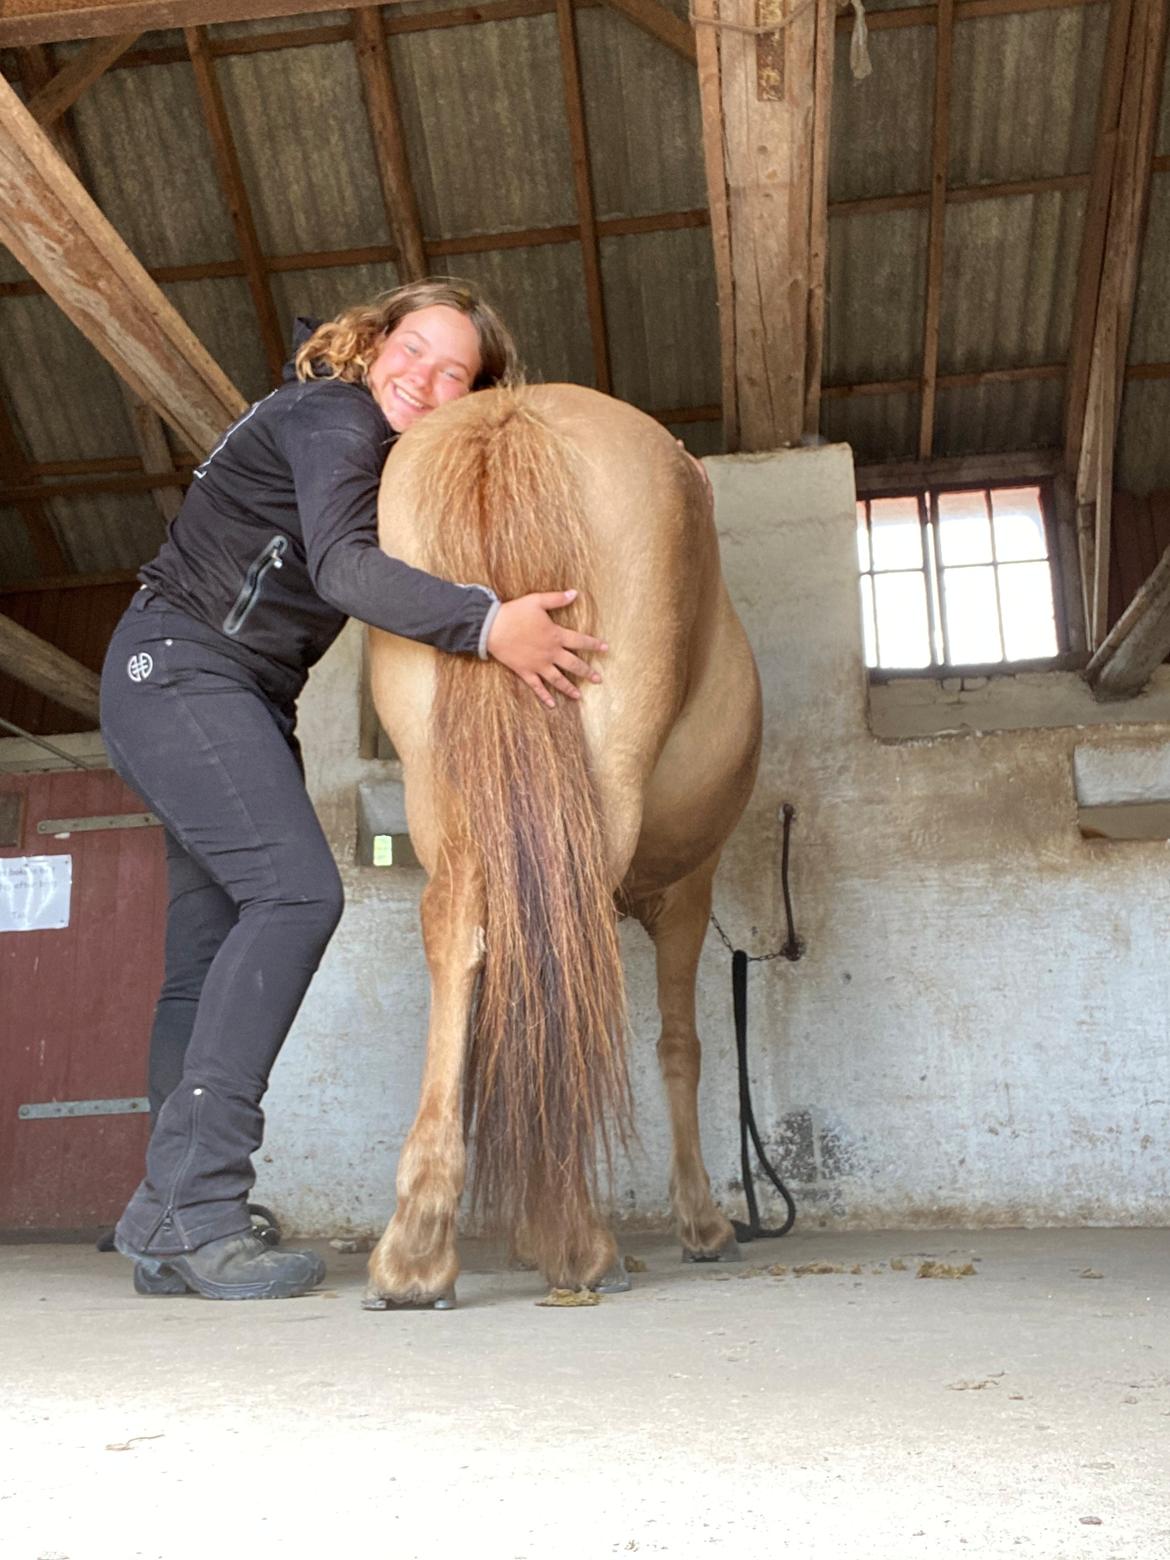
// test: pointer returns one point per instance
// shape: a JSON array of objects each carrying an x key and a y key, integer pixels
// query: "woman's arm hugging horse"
[{"x": 529, "y": 820}]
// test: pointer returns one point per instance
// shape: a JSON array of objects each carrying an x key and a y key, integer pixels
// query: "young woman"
[{"x": 274, "y": 547}]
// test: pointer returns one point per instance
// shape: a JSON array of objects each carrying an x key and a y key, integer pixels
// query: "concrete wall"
[{"x": 978, "y": 1033}]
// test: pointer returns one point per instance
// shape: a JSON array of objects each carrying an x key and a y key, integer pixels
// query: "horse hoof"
[
  {"x": 728, "y": 1252},
  {"x": 615, "y": 1282},
  {"x": 444, "y": 1302}
]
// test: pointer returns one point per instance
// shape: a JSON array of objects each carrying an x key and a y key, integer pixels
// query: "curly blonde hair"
[{"x": 344, "y": 348}]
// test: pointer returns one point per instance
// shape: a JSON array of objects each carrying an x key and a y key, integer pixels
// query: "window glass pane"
[
  {"x": 903, "y": 630},
  {"x": 1019, "y": 524},
  {"x": 972, "y": 619},
  {"x": 896, "y": 534},
  {"x": 863, "y": 562},
  {"x": 867, "y": 620},
  {"x": 1025, "y": 595},
  {"x": 964, "y": 533}
]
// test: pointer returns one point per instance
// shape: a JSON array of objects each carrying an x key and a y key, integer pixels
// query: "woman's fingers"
[{"x": 568, "y": 662}]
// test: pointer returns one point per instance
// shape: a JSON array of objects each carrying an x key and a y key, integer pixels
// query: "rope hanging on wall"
[{"x": 859, "y": 61}]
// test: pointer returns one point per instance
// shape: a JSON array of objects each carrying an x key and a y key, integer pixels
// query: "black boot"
[{"x": 236, "y": 1267}]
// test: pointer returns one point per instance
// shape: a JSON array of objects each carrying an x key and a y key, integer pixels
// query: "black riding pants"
[{"x": 205, "y": 736}]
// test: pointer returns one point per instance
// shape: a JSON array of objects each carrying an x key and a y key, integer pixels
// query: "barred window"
[{"x": 957, "y": 577}]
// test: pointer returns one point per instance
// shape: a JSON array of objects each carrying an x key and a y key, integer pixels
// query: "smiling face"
[{"x": 431, "y": 356}]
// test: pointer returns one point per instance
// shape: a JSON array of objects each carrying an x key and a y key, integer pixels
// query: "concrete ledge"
[{"x": 915, "y": 707}]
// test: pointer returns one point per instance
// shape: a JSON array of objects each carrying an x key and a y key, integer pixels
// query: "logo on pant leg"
[{"x": 140, "y": 666}]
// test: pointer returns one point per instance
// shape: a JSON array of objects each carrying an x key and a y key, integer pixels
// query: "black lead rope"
[{"x": 792, "y": 950}]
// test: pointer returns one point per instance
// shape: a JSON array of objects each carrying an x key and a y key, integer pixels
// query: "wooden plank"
[
  {"x": 398, "y": 197},
  {"x": 40, "y": 665},
  {"x": 936, "y": 240},
  {"x": 1025, "y": 466},
  {"x": 24, "y": 22},
  {"x": 59, "y": 94},
  {"x": 231, "y": 181},
  {"x": 715, "y": 166},
  {"x": 61, "y": 238},
  {"x": 1093, "y": 234},
  {"x": 1138, "y": 643},
  {"x": 818, "y": 253},
  {"x": 583, "y": 189},
  {"x": 655, "y": 19},
  {"x": 983, "y": 376}
]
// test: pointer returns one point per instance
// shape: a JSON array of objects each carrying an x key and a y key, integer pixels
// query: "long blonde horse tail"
[{"x": 547, "y": 1089}]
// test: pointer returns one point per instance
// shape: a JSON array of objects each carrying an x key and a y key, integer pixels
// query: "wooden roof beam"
[
  {"x": 67, "y": 85},
  {"x": 583, "y": 187},
  {"x": 654, "y": 18},
  {"x": 40, "y": 665},
  {"x": 65, "y": 243},
  {"x": 398, "y": 197},
  {"x": 711, "y": 108},
  {"x": 45, "y": 545}
]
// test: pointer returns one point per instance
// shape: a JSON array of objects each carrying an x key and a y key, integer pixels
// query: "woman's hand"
[{"x": 525, "y": 639}]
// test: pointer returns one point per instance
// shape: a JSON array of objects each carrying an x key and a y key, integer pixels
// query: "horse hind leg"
[
  {"x": 676, "y": 919},
  {"x": 415, "y": 1263}
]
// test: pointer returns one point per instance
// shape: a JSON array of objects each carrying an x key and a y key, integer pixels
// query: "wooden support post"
[
  {"x": 40, "y": 665},
  {"x": 936, "y": 241},
  {"x": 654, "y": 18},
  {"x": 231, "y": 181},
  {"x": 60, "y": 93},
  {"x": 373, "y": 58},
  {"x": 818, "y": 226},
  {"x": 714, "y": 159},
  {"x": 61, "y": 238},
  {"x": 770, "y": 113},
  {"x": 583, "y": 185}
]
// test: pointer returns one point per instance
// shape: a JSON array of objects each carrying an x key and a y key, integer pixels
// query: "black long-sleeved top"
[{"x": 276, "y": 541}]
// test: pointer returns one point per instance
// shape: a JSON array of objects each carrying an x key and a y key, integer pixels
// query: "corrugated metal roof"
[
  {"x": 881, "y": 131},
  {"x": 1141, "y": 464},
  {"x": 876, "y": 292},
  {"x": 100, "y": 531},
  {"x": 1024, "y": 94},
  {"x": 977, "y": 418},
  {"x": 879, "y": 427},
  {"x": 1009, "y": 277},
  {"x": 662, "y": 320}
]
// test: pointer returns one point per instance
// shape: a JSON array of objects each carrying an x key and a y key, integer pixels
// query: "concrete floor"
[{"x": 1024, "y": 1411}]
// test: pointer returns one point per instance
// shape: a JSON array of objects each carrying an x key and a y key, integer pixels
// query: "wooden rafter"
[
  {"x": 61, "y": 238},
  {"x": 936, "y": 240},
  {"x": 654, "y": 18},
  {"x": 583, "y": 188},
  {"x": 53, "y": 21},
  {"x": 67, "y": 85},
  {"x": 906, "y": 475},
  {"x": 379, "y": 254},
  {"x": 398, "y": 197},
  {"x": 231, "y": 180},
  {"x": 1138, "y": 642},
  {"x": 150, "y": 440}
]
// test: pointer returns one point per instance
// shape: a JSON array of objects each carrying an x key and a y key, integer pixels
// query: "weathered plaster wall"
[{"x": 978, "y": 1033}]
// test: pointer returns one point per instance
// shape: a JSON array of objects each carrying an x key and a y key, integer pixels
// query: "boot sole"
[{"x": 159, "y": 1268}]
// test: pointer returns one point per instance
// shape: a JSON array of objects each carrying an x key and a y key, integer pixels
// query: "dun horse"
[{"x": 529, "y": 821}]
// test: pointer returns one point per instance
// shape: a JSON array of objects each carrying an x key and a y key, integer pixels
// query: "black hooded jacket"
[{"x": 276, "y": 542}]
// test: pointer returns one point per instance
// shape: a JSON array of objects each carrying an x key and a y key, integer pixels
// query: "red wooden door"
[{"x": 75, "y": 1009}]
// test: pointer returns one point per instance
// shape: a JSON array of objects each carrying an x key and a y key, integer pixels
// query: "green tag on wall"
[{"x": 383, "y": 850}]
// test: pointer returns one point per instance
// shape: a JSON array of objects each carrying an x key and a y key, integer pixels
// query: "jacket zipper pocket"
[{"x": 271, "y": 558}]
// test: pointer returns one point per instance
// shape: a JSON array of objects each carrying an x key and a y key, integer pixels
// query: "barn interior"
[{"x": 898, "y": 275}]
